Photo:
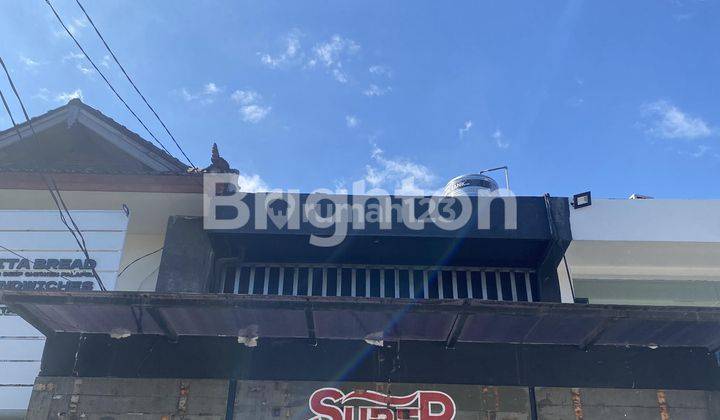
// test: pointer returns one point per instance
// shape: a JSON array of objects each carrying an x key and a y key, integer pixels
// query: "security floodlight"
[{"x": 582, "y": 200}]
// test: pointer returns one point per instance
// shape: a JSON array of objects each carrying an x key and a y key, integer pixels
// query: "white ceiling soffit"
[
  {"x": 646, "y": 239},
  {"x": 647, "y": 221},
  {"x": 644, "y": 260}
]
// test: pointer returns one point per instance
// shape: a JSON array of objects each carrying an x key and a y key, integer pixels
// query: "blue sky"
[{"x": 612, "y": 96}]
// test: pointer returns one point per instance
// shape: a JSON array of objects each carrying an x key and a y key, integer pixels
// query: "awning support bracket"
[
  {"x": 310, "y": 322},
  {"x": 714, "y": 346},
  {"x": 594, "y": 334},
  {"x": 456, "y": 330},
  {"x": 163, "y": 323},
  {"x": 28, "y": 316}
]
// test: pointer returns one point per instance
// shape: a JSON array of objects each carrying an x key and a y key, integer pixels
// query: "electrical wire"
[
  {"x": 62, "y": 23},
  {"x": 138, "y": 259},
  {"x": 26, "y": 258},
  {"x": 53, "y": 190},
  {"x": 127, "y": 76},
  {"x": 49, "y": 180},
  {"x": 570, "y": 280}
]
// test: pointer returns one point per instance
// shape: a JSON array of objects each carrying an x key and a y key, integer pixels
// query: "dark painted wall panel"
[{"x": 422, "y": 362}]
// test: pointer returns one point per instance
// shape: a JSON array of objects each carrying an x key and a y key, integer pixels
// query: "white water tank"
[{"x": 471, "y": 185}]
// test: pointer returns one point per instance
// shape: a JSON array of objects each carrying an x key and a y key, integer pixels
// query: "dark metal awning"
[{"x": 371, "y": 319}]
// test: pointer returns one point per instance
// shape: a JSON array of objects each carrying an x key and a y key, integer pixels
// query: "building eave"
[
  {"x": 75, "y": 111},
  {"x": 340, "y": 318},
  {"x": 190, "y": 183}
]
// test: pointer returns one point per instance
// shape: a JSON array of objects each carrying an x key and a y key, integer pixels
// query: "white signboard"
[{"x": 37, "y": 252}]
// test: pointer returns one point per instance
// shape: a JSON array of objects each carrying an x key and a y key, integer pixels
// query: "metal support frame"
[
  {"x": 310, "y": 322},
  {"x": 232, "y": 391},
  {"x": 456, "y": 330},
  {"x": 595, "y": 333},
  {"x": 382, "y": 271},
  {"x": 595, "y": 319},
  {"x": 163, "y": 323},
  {"x": 28, "y": 316}
]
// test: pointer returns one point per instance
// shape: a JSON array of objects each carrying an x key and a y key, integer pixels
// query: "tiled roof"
[
  {"x": 7, "y": 169},
  {"x": 178, "y": 166}
]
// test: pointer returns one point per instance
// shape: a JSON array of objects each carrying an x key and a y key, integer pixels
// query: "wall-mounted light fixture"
[{"x": 582, "y": 200}]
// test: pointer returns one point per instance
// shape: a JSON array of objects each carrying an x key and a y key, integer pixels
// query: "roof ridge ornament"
[
  {"x": 73, "y": 111},
  {"x": 218, "y": 164}
]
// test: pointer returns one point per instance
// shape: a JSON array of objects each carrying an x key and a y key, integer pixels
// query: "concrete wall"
[
  {"x": 149, "y": 213},
  {"x": 141, "y": 275},
  {"x": 113, "y": 398},
  {"x": 289, "y": 400},
  {"x": 636, "y": 404},
  {"x": 649, "y": 292},
  {"x": 646, "y": 252},
  {"x": 107, "y": 398}
]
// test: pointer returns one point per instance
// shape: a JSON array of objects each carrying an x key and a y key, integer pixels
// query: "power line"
[
  {"x": 26, "y": 258},
  {"x": 138, "y": 259},
  {"x": 106, "y": 79},
  {"x": 97, "y": 31},
  {"x": 49, "y": 181},
  {"x": 22, "y": 337}
]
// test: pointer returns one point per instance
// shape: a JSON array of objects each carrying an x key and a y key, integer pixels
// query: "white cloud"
[
  {"x": 292, "y": 50},
  {"x": 465, "y": 128},
  {"x": 375, "y": 90},
  {"x": 400, "y": 175},
  {"x": 332, "y": 54},
  {"x": 80, "y": 64},
  {"x": 75, "y": 25},
  {"x": 205, "y": 96},
  {"x": 67, "y": 96},
  {"x": 105, "y": 62},
  {"x": 340, "y": 187},
  {"x": 251, "y": 109},
  {"x": 211, "y": 89},
  {"x": 351, "y": 121},
  {"x": 245, "y": 97},
  {"x": 73, "y": 56},
  {"x": 340, "y": 76},
  {"x": 500, "y": 140},
  {"x": 254, "y": 113},
  {"x": 29, "y": 63},
  {"x": 84, "y": 69},
  {"x": 187, "y": 95},
  {"x": 669, "y": 122},
  {"x": 43, "y": 94},
  {"x": 252, "y": 183},
  {"x": 410, "y": 187},
  {"x": 379, "y": 70},
  {"x": 78, "y": 23},
  {"x": 46, "y": 95}
]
